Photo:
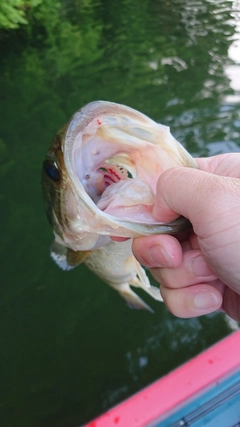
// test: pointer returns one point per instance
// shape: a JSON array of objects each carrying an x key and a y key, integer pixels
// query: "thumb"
[{"x": 193, "y": 193}]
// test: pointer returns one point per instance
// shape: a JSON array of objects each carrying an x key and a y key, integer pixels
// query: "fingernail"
[
  {"x": 206, "y": 300},
  {"x": 159, "y": 257},
  {"x": 200, "y": 267}
]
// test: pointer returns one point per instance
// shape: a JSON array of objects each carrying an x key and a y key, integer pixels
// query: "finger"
[
  {"x": 192, "y": 301},
  {"x": 159, "y": 250},
  {"x": 192, "y": 193},
  {"x": 190, "y": 242},
  {"x": 224, "y": 164},
  {"x": 193, "y": 270},
  {"x": 194, "y": 241}
]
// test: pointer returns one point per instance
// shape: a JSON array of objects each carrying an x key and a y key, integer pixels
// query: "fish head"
[{"x": 100, "y": 176}]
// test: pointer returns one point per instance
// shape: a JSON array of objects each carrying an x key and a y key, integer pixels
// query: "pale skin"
[{"x": 198, "y": 272}]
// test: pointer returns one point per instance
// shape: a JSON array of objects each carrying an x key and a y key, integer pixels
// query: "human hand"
[{"x": 199, "y": 272}]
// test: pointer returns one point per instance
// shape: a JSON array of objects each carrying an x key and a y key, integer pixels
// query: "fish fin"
[
  {"x": 66, "y": 258},
  {"x": 75, "y": 258},
  {"x": 131, "y": 298},
  {"x": 142, "y": 281},
  {"x": 142, "y": 276},
  {"x": 58, "y": 253},
  {"x": 155, "y": 293}
]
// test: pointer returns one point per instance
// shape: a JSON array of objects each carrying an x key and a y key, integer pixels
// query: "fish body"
[{"x": 99, "y": 180}]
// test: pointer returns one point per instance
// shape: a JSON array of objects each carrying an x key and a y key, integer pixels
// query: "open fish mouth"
[{"x": 114, "y": 156}]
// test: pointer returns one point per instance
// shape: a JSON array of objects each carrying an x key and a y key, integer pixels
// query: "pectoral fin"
[
  {"x": 66, "y": 258},
  {"x": 75, "y": 258},
  {"x": 131, "y": 298}
]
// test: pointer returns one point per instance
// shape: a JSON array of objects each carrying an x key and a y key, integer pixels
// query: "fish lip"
[{"x": 77, "y": 124}]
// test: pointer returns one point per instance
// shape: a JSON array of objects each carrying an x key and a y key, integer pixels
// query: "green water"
[{"x": 70, "y": 348}]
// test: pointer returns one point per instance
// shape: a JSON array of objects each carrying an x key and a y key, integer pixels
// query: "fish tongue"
[{"x": 130, "y": 199}]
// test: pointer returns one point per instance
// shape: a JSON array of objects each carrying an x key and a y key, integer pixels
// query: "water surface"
[{"x": 70, "y": 347}]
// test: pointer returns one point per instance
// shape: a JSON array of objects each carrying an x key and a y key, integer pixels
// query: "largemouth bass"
[{"x": 99, "y": 180}]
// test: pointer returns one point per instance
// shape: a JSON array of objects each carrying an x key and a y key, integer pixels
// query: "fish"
[{"x": 99, "y": 182}]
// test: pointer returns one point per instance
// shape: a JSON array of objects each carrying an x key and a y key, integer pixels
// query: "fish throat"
[
  {"x": 116, "y": 158},
  {"x": 117, "y": 167}
]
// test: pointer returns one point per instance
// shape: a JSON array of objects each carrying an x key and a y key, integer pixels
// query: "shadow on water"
[{"x": 70, "y": 348}]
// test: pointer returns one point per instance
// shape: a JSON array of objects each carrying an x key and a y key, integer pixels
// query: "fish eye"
[{"x": 51, "y": 169}]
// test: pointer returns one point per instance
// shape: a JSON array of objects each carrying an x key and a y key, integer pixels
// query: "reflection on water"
[
  {"x": 233, "y": 70},
  {"x": 70, "y": 346}
]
